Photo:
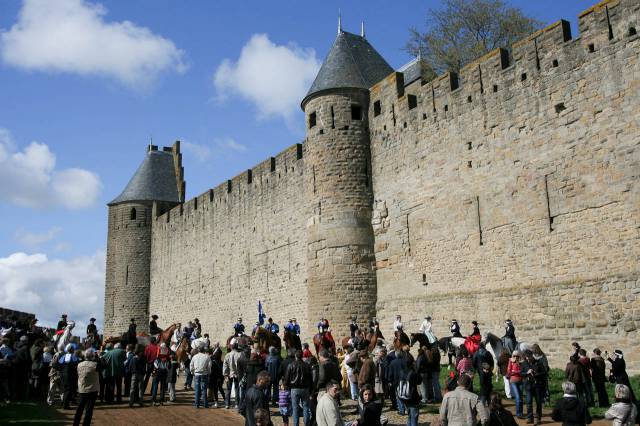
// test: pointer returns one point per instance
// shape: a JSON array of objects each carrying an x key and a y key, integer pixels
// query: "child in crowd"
[{"x": 284, "y": 403}]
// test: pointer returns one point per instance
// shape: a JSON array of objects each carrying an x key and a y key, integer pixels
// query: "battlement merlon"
[{"x": 600, "y": 25}]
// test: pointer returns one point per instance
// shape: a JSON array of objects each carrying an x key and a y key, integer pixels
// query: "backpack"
[{"x": 403, "y": 390}]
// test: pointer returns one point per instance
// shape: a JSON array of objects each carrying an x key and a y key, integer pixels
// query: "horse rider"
[
  {"x": 131, "y": 333},
  {"x": 374, "y": 325},
  {"x": 62, "y": 324},
  {"x": 256, "y": 326},
  {"x": 272, "y": 326},
  {"x": 425, "y": 328},
  {"x": 187, "y": 331},
  {"x": 455, "y": 328},
  {"x": 197, "y": 328},
  {"x": 509, "y": 338},
  {"x": 91, "y": 328},
  {"x": 397, "y": 324},
  {"x": 238, "y": 328},
  {"x": 353, "y": 327},
  {"x": 153, "y": 326},
  {"x": 322, "y": 325},
  {"x": 293, "y": 327},
  {"x": 476, "y": 329}
]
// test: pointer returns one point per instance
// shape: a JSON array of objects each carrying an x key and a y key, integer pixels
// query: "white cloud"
[
  {"x": 29, "y": 178},
  {"x": 221, "y": 146},
  {"x": 274, "y": 77},
  {"x": 48, "y": 287},
  {"x": 72, "y": 36},
  {"x": 31, "y": 239}
]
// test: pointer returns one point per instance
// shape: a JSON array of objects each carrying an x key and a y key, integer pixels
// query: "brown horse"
[
  {"x": 324, "y": 341},
  {"x": 243, "y": 340},
  {"x": 265, "y": 339},
  {"x": 182, "y": 351},
  {"x": 401, "y": 339},
  {"x": 165, "y": 336},
  {"x": 291, "y": 340},
  {"x": 421, "y": 338}
]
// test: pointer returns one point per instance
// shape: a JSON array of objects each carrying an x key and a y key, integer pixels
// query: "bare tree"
[{"x": 463, "y": 30}]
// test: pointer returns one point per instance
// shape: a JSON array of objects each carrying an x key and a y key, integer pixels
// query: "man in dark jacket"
[
  {"x": 22, "y": 368},
  {"x": 114, "y": 364},
  {"x": 395, "y": 373},
  {"x": 535, "y": 374},
  {"x": 298, "y": 379},
  {"x": 367, "y": 375},
  {"x": 599, "y": 377},
  {"x": 481, "y": 356},
  {"x": 255, "y": 398},
  {"x": 569, "y": 409},
  {"x": 272, "y": 364},
  {"x": 328, "y": 370}
]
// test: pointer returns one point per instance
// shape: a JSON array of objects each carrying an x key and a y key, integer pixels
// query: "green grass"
[{"x": 29, "y": 412}]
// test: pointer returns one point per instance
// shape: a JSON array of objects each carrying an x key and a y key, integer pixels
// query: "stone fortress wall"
[
  {"x": 512, "y": 190},
  {"x": 509, "y": 191}
]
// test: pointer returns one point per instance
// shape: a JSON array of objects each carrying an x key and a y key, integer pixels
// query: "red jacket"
[
  {"x": 151, "y": 353},
  {"x": 513, "y": 372}
]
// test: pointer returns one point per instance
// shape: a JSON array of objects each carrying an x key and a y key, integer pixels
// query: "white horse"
[
  {"x": 65, "y": 337},
  {"x": 495, "y": 346}
]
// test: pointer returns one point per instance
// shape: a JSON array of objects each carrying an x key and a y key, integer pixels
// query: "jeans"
[
  {"x": 158, "y": 379},
  {"x": 413, "y": 412},
  {"x": 401, "y": 406},
  {"x": 435, "y": 384},
  {"x": 232, "y": 382},
  {"x": 188, "y": 377},
  {"x": 300, "y": 396},
  {"x": 202, "y": 382},
  {"x": 516, "y": 391},
  {"x": 86, "y": 403},
  {"x": 136, "y": 395},
  {"x": 535, "y": 392},
  {"x": 354, "y": 390}
]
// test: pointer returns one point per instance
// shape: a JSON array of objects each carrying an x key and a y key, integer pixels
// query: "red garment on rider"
[
  {"x": 472, "y": 343},
  {"x": 306, "y": 353}
]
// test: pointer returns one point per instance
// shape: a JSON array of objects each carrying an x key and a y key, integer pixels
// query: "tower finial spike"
[
  {"x": 339, "y": 22},
  {"x": 362, "y": 29}
]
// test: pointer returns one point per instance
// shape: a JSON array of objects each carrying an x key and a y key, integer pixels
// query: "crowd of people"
[{"x": 308, "y": 389}]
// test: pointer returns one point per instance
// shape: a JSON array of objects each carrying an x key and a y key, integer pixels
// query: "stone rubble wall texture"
[
  {"x": 475, "y": 158},
  {"x": 534, "y": 154}
]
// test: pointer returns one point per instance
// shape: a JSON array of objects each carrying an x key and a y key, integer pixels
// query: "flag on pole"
[{"x": 261, "y": 314}]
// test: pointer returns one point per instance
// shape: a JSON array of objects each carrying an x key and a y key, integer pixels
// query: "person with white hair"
[
  {"x": 624, "y": 411},
  {"x": 88, "y": 386},
  {"x": 571, "y": 410}
]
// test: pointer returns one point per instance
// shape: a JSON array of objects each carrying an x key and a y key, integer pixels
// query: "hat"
[
  {"x": 270, "y": 319},
  {"x": 618, "y": 353},
  {"x": 90, "y": 319},
  {"x": 293, "y": 319},
  {"x": 507, "y": 321},
  {"x": 428, "y": 318},
  {"x": 154, "y": 316},
  {"x": 196, "y": 320},
  {"x": 474, "y": 322},
  {"x": 64, "y": 315},
  {"x": 133, "y": 320},
  {"x": 397, "y": 315},
  {"x": 454, "y": 320}
]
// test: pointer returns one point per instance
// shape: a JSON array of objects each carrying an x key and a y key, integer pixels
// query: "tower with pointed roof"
[
  {"x": 157, "y": 186},
  {"x": 340, "y": 245}
]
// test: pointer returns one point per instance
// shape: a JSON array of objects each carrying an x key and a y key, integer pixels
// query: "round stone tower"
[
  {"x": 341, "y": 277},
  {"x": 156, "y": 187}
]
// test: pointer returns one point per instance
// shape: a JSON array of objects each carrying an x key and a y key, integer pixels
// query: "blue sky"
[{"x": 84, "y": 86}]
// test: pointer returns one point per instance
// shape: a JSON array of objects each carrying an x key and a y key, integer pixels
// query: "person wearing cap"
[
  {"x": 62, "y": 324},
  {"x": 293, "y": 327},
  {"x": 272, "y": 326},
  {"x": 455, "y": 328},
  {"x": 91, "y": 328},
  {"x": 425, "y": 328},
  {"x": 509, "y": 338},
  {"x": 153, "y": 325},
  {"x": 619, "y": 371},
  {"x": 322, "y": 325},
  {"x": 255, "y": 328},
  {"x": 131, "y": 333},
  {"x": 570, "y": 410},
  {"x": 88, "y": 386},
  {"x": 238, "y": 328},
  {"x": 535, "y": 384}
]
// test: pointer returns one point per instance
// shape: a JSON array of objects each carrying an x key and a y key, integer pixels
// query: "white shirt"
[
  {"x": 397, "y": 325},
  {"x": 200, "y": 364},
  {"x": 425, "y": 327}
]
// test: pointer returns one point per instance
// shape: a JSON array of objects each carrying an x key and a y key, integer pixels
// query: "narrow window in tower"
[
  {"x": 377, "y": 108},
  {"x": 333, "y": 119},
  {"x": 356, "y": 112},
  {"x": 132, "y": 215},
  {"x": 312, "y": 119},
  {"x": 126, "y": 276},
  {"x": 412, "y": 100}
]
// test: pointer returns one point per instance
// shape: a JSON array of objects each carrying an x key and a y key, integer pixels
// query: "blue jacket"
[
  {"x": 396, "y": 371},
  {"x": 293, "y": 328},
  {"x": 239, "y": 328},
  {"x": 273, "y": 367},
  {"x": 274, "y": 328}
]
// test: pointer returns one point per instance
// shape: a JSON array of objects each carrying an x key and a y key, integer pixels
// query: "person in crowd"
[
  {"x": 599, "y": 377},
  {"x": 485, "y": 374},
  {"x": 138, "y": 370},
  {"x": 114, "y": 362},
  {"x": 150, "y": 354},
  {"x": 21, "y": 368},
  {"x": 350, "y": 362},
  {"x": 514, "y": 375},
  {"x": 200, "y": 366},
  {"x": 88, "y": 386},
  {"x": 397, "y": 324},
  {"x": 381, "y": 366},
  {"x": 232, "y": 373},
  {"x": 272, "y": 365},
  {"x": 433, "y": 361},
  {"x": 298, "y": 379},
  {"x": 407, "y": 391},
  {"x": 422, "y": 368},
  {"x": 623, "y": 412},
  {"x": 313, "y": 399},
  {"x": 397, "y": 368},
  {"x": 534, "y": 373},
  {"x": 367, "y": 374},
  {"x": 284, "y": 403},
  {"x": 619, "y": 371},
  {"x": 328, "y": 411},
  {"x": 128, "y": 357},
  {"x": 371, "y": 409},
  {"x": 216, "y": 379},
  {"x": 574, "y": 373},
  {"x": 197, "y": 328},
  {"x": 327, "y": 370},
  {"x": 172, "y": 376},
  {"x": 160, "y": 372},
  {"x": 461, "y": 407},
  {"x": 131, "y": 332},
  {"x": 153, "y": 326},
  {"x": 466, "y": 362},
  {"x": 238, "y": 328},
  {"x": 570, "y": 410},
  {"x": 6, "y": 372},
  {"x": 503, "y": 364},
  {"x": 306, "y": 352},
  {"x": 256, "y": 398},
  {"x": 55, "y": 380},
  {"x": 62, "y": 324},
  {"x": 498, "y": 415},
  {"x": 542, "y": 358},
  {"x": 353, "y": 326},
  {"x": 254, "y": 366},
  {"x": 69, "y": 367},
  {"x": 585, "y": 363}
]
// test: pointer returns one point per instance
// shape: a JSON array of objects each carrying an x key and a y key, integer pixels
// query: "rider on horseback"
[
  {"x": 153, "y": 326},
  {"x": 238, "y": 328},
  {"x": 425, "y": 328},
  {"x": 272, "y": 326},
  {"x": 373, "y": 325},
  {"x": 397, "y": 324},
  {"x": 62, "y": 324},
  {"x": 131, "y": 333},
  {"x": 455, "y": 328},
  {"x": 91, "y": 328},
  {"x": 293, "y": 327},
  {"x": 509, "y": 338}
]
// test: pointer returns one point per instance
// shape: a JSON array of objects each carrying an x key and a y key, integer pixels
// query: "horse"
[
  {"x": 64, "y": 338},
  {"x": 243, "y": 340},
  {"x": 401, "y": 339},
  {"x": 495, "y": 346},
  {"x": 449, "y": 344},
  {"x": 324, "y": 341},
  {"x": 265, "y": 339},
  {"x": 291, "y": 340},
  {"x": 182, "y": 351},
  {"x": 165, "y": 336},
  {"x": 91, "y": 341},
  {"x": 419, "y": 338}
]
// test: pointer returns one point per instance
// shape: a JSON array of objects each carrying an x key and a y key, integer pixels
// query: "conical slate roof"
[
  {"x": 155, "y": 180},
  {"x": 351, "y": 63}
]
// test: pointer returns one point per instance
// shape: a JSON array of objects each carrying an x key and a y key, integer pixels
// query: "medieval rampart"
[{"x": 512, "y": 191}]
